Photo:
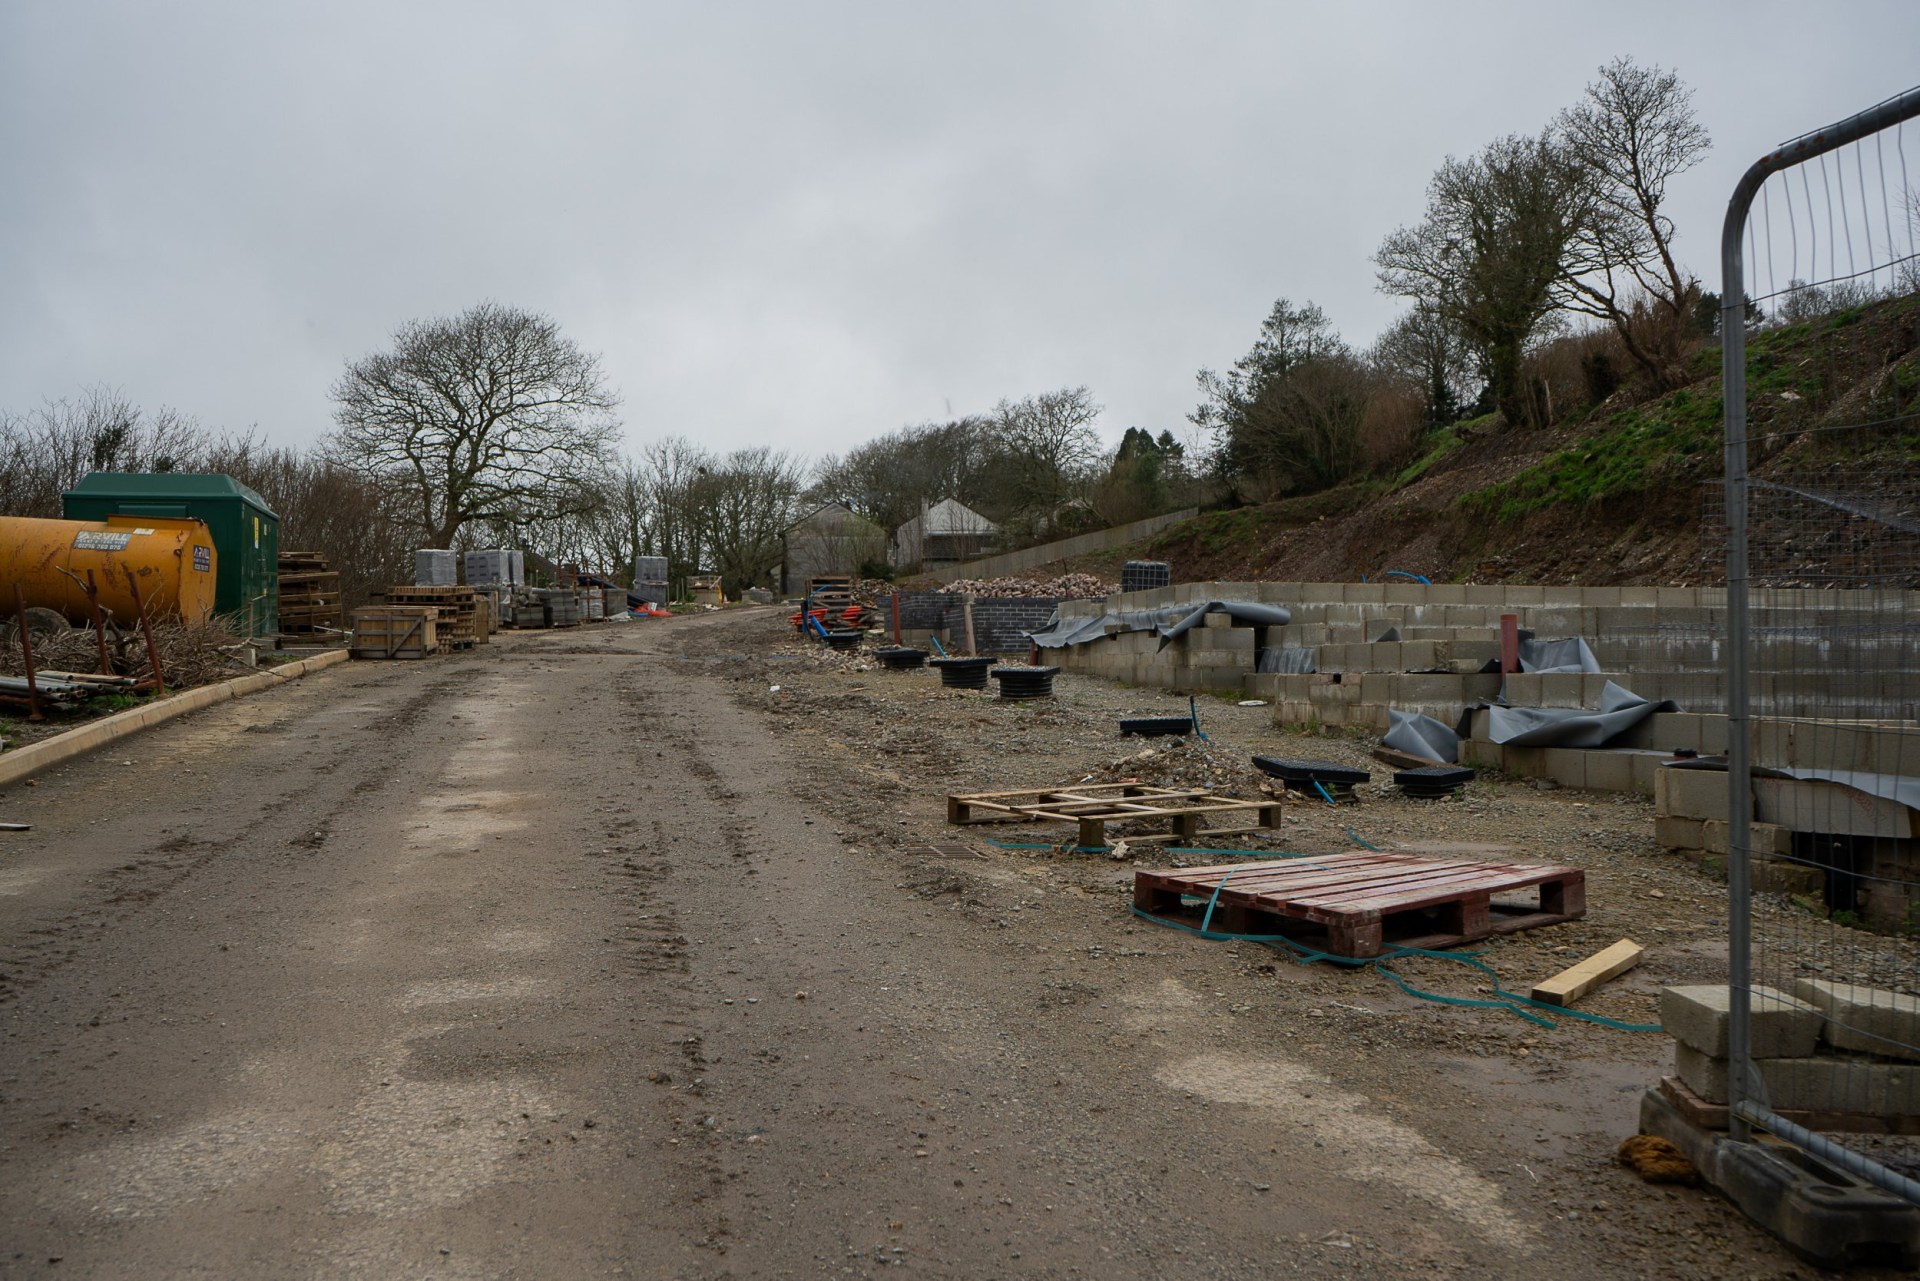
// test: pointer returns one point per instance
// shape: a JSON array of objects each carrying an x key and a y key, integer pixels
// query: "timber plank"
[{"x": 1574, "y": 982}]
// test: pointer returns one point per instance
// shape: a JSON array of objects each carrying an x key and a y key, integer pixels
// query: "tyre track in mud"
[
  {"x": 586, "y": 961},
  {"x": 120, "y": 892}
]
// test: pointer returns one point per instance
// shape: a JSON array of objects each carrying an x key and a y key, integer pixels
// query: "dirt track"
[{"x": 564, "y": 959}]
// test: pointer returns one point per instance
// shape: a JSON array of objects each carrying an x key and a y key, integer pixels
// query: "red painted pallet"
[{"x": 1358, "y": 904}]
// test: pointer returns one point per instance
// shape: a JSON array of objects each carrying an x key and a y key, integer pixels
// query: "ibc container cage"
[{"x": 1145, "y": 575}]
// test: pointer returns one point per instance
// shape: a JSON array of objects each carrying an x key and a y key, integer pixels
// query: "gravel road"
[{"x": 590, "y": 954}]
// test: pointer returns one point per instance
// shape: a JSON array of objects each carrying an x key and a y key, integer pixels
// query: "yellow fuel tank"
[{"x": 171, "y": 558}]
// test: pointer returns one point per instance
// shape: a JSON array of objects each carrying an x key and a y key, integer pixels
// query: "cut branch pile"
[{"x": 190, "y": 653}]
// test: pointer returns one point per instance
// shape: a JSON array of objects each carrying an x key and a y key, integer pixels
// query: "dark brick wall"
[
  {"x": 1000, "y": 624},
  {"x": 921, "y": 609}
]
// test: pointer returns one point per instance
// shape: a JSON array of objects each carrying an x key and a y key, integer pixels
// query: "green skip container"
[{"x": 246, "y": 533}]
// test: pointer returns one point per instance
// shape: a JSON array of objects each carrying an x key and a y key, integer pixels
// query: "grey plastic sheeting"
[
  {"x": 1170, "y": 621},
  {"x": 1421, "y": 736},
  {"x": 1288, "y": 660},
  {"x": 1620, "y": 710},
  {"x": 1555, "y": 656}
]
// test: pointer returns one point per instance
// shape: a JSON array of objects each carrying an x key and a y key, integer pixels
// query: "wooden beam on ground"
[{"x": 1570, "y": 984}]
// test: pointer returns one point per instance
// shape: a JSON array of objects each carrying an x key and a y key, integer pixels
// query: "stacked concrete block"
[
  {"x": 1691, "y": 819},
  {"x": 1680, "y": 792},
  {"x": 435, "y": 567},
  {"x": 1679, "y": 731},
  {"x": 1659, "y": 642},
  {"x": 1814, "y": 805},
  {"x": 1699, "y": 1017},
  {"x": 1826, "y": 1050},
  {"x": 1866, "y": 1019}
]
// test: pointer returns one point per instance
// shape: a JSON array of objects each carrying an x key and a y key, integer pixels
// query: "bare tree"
[
  {"x": 620, "y": 525},
  {"x": 1047, "y": 450},
  {"x": 491, "y": 414},
  {"x": 1427, "y": 350},
  {"x": 1490, "y": 256},
  {"x": 670, "y": 470},
  {"x": 890, "y": 479},
  {"x": 742, "y": 503},
  {"x": 327, "y": 508},
  {"x": 45, "y": 451},
  {"x": 1634, "y": 132}
]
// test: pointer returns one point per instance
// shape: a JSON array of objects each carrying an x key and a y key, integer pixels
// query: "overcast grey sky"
[{"x": 797, "y": 223}]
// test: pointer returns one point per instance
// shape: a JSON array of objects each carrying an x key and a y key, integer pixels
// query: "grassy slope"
[{"x": 1614, "y": 497}]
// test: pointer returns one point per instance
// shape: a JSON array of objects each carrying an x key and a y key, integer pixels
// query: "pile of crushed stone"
[{"x": 1061, "y": 586}]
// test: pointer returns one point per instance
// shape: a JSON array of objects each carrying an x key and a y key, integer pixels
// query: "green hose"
[{"x": 1512, "y": 1002}]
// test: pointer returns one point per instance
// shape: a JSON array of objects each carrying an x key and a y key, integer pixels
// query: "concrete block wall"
[
  {"x": 1001, "y": 624},
  {"x": 1660, "y": 642}
]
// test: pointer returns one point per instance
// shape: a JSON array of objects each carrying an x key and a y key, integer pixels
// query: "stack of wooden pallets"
[
  {"x": 309, "y": 593},
  {"x": 831, "y": 592},
  {"x": 457, "y": 625}
]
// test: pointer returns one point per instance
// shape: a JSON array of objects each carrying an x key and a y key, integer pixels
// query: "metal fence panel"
[{"x": 1822, "y": 623}]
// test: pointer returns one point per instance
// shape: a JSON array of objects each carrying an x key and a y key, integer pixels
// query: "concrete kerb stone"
[{"x": 30, "y": 760}]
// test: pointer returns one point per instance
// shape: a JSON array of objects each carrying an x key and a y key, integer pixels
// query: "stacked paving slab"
[{"x": 1830, "y": 1048}]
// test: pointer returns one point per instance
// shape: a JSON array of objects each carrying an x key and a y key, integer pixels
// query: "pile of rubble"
[
  {"x": 1061, "y": 587},
  {"x": 1185, "y": 762}
]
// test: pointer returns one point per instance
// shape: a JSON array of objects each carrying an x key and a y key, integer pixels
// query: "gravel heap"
[{"x": 1063, "y": 586}]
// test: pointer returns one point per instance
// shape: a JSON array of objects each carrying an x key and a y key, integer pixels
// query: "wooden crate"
[
  {"x": 396, "y": 631},
  {"x": 456, "y": 606}
]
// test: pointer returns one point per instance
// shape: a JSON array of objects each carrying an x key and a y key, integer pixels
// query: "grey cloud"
[{"x": 808, "y": 223}]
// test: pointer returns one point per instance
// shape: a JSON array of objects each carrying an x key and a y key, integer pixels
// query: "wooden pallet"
[
  {"x": 1093, "y": 806},
  {"x": 309, "y": 593},
  {"x": 830, "y": 592},
  {"x": 1357, "y": 904}
]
